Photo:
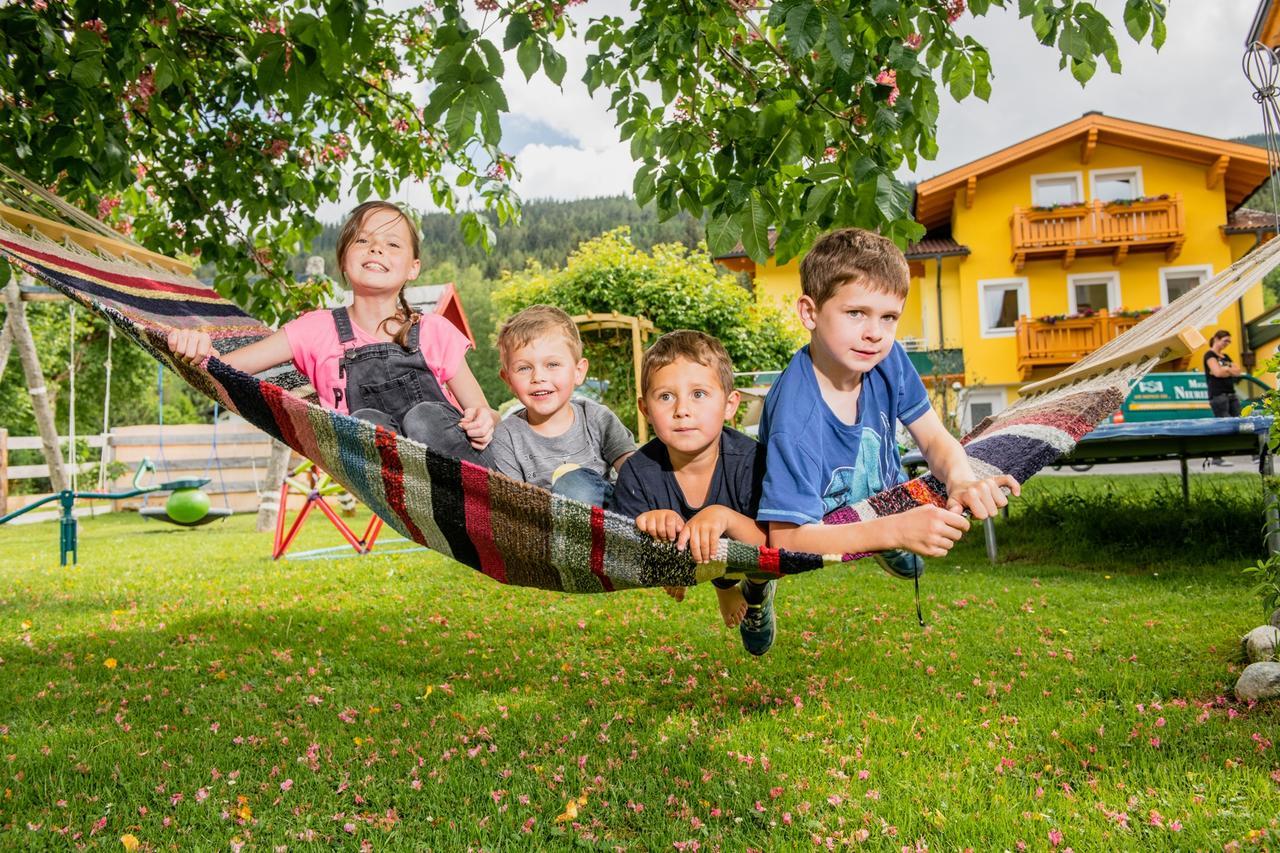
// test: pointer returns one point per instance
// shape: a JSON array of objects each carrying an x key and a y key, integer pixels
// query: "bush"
[{"x": 671, "y": 285}]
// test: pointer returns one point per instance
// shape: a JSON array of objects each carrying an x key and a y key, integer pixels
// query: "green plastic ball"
[{"x": 187, "y": 506}]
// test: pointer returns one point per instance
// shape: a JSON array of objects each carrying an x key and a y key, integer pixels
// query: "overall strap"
[
  {"x": 342, "y": 320},
  {"x": 415, "y": 328}
]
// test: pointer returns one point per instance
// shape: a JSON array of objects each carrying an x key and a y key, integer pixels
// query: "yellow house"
[{"x": 1041, "y": 252}]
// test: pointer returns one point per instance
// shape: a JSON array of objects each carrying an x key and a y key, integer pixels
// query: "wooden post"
[
  {"x": 4, "y": 471},
  {"x": 35, "y": 385},
  {"x": 637, "y": 357},
  {"x": 277, "y": 468}
]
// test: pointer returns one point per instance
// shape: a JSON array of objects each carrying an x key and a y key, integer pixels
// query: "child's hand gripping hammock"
[{"x": 519, "y": 534}]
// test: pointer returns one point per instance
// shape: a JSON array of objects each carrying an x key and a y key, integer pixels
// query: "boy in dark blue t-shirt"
[
  {"x": 697, "y": 480},
  {"x": 829, "y": 420}
]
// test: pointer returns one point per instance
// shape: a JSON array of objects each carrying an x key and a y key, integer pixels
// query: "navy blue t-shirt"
[
  {"x": 817, "y": 462},
  {"x": 647, "y": 482}
]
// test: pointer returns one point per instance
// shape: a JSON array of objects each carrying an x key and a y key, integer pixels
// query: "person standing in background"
[{"x": 1220, "y": 374}]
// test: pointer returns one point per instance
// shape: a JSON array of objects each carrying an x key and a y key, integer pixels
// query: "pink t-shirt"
[{"x": 313, "y": 337}]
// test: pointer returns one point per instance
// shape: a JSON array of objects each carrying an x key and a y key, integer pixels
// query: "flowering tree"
[{"x": 217, "y": 131}]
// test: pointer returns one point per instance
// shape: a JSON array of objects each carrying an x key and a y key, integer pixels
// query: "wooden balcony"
[
  {"x": 1064, "y": 342},
  {"x": 1098, "y": 228}
]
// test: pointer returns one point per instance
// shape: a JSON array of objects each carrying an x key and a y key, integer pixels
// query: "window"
[
  {"x": 1096, "y": 292},
  {"x": 1116, "y": 184},
  {"x": 1178, "y": 281},
  {"x": 979, "y": 403},
  {"x": 1065, "y": 188},
  {"x": 1000, "y": 303}
]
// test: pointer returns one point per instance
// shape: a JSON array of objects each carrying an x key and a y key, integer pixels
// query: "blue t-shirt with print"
[{"x": 818, "y": 463}]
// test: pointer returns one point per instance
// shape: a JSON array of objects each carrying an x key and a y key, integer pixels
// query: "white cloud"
[{"x": 560, "y": 171}]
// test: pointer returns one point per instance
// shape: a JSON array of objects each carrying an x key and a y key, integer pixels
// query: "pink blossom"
[
  {"x": 1055, "y": 837},
  {"x": 286, "y": 784},
  {"x": 955, "y": 8},
  {"x": 913, "y": 41},
  {"x": 528, "y": 825}
]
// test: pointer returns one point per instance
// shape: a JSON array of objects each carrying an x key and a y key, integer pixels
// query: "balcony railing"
[
  {"x": 1064, "y": 342},
  {"x": 1098, "y": 228}
]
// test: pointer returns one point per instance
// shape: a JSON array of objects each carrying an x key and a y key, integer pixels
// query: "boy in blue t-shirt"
[{"x": 829, "y": 420}]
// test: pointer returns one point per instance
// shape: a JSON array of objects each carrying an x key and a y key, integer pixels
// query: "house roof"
[
  {"x": 1245, "y": 168},
  {"x": 1266, "y": 24},
  {"x": 929, "y": 247},
  {"x": 1246, "y": 220}
]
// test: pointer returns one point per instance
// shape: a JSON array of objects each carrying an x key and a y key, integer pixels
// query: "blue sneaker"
[
  {"x": 760, "y": 625},
  {"x": 901, "y": 564}
]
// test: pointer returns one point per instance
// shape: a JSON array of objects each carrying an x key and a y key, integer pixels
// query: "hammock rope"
[{"x": 520, "y": 534}]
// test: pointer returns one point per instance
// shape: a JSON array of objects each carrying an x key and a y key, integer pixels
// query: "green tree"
[
  {"x": 217, "y": 129},
  {"x": 673, "y": 286}
]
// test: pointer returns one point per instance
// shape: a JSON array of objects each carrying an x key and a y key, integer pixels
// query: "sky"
[{"x": 566, "y": 145}]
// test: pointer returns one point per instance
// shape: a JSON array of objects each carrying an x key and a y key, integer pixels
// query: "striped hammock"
[{"x": 520, "y": 534}]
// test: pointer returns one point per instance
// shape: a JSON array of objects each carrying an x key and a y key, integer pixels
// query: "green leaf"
[
  {"x": 754, "y": 222},
  {"x": 1083, "y": 69},
  {"x": 1137, "y": 18},
  {"x": 723, "y": 234},
  {"x": 892, "y": 198},
  {"x": 643, "y": 185},
  {"x": 1157, "y": 27},
  {"x": 519, "y": 28},
  {"x": 960, "y": 80},
  {"x": 982, "y": 74},
  {"x": 529, "y": 57},
  {"x": 553, "y": 63},
  {"x": 834, "y": 39},
  {"x": 803, "y": 29}
]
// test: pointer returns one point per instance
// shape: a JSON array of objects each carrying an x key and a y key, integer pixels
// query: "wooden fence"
[{"x": 233, "y": 456}]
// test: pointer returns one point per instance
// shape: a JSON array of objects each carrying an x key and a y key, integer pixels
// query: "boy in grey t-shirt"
[{"x": 571, "y": 446}]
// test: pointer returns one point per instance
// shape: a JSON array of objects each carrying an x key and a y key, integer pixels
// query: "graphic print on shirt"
[{"x": 876, "y": 469}]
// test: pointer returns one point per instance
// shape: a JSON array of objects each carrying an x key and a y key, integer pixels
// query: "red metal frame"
[{"x": 362, "y": 545}]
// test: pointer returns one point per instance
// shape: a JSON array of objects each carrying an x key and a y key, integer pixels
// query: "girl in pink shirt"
[{"x": 378, "y": 360}]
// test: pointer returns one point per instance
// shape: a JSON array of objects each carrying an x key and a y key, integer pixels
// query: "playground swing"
[{"x": 188, "y": 504}]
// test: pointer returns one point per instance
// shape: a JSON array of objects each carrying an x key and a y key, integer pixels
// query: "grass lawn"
[{"x": 179, "y": 688}]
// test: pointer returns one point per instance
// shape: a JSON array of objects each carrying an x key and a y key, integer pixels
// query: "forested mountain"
[{"x": 548, "y": 232}]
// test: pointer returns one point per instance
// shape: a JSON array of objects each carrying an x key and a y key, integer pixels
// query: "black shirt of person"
[
  {"x": 647, "y": 481},
  {"x": 1218, "y": 387}
]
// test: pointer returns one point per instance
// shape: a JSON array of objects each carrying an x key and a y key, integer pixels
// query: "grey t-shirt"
[{"x": 595, "y": 440}]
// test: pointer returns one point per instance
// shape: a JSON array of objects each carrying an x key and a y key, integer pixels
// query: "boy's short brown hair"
[
  {"x": 698, "y": 347},
  {"x": 853, "y": 255},
  {"x": 534, "y": 322}
]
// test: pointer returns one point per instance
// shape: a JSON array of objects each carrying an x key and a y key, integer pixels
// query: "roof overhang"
[
  {"x": 1266, "y": 24},
  {"x": 1245, "y": 167}
]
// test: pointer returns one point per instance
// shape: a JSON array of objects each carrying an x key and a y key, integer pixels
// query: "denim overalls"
[{"x": 391, "y": 386}]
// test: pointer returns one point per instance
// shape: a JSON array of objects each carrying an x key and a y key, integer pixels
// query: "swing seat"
[
  {"x": 200, "y": 515},
  {"x": 158, "y": 513}
]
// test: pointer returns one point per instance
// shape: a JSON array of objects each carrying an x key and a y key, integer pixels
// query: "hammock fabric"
[{"x": 513, "y": 532}]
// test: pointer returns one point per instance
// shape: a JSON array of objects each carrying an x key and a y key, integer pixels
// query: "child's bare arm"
[
  {"x": 478, "y": 419},
  {"x": 702, "y": 532},
  {"x": 192, "y": 345},
  {"x": 950, "y": 464},
  {"x": 929, "y": 531}
]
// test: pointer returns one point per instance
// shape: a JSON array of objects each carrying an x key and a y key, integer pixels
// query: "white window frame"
[
  {"x": 1135, "y": 171},
  {"x": 1079, "y": 179},
  {"x": 996, "y": 395},
  {"x": 1112, "y": 279},
  {"x": 1024, "y": 304},
  {"x": 1204, "y": 269}
]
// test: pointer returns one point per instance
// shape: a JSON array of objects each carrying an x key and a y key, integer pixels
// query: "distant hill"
[{"x": 548, "y": 232}]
